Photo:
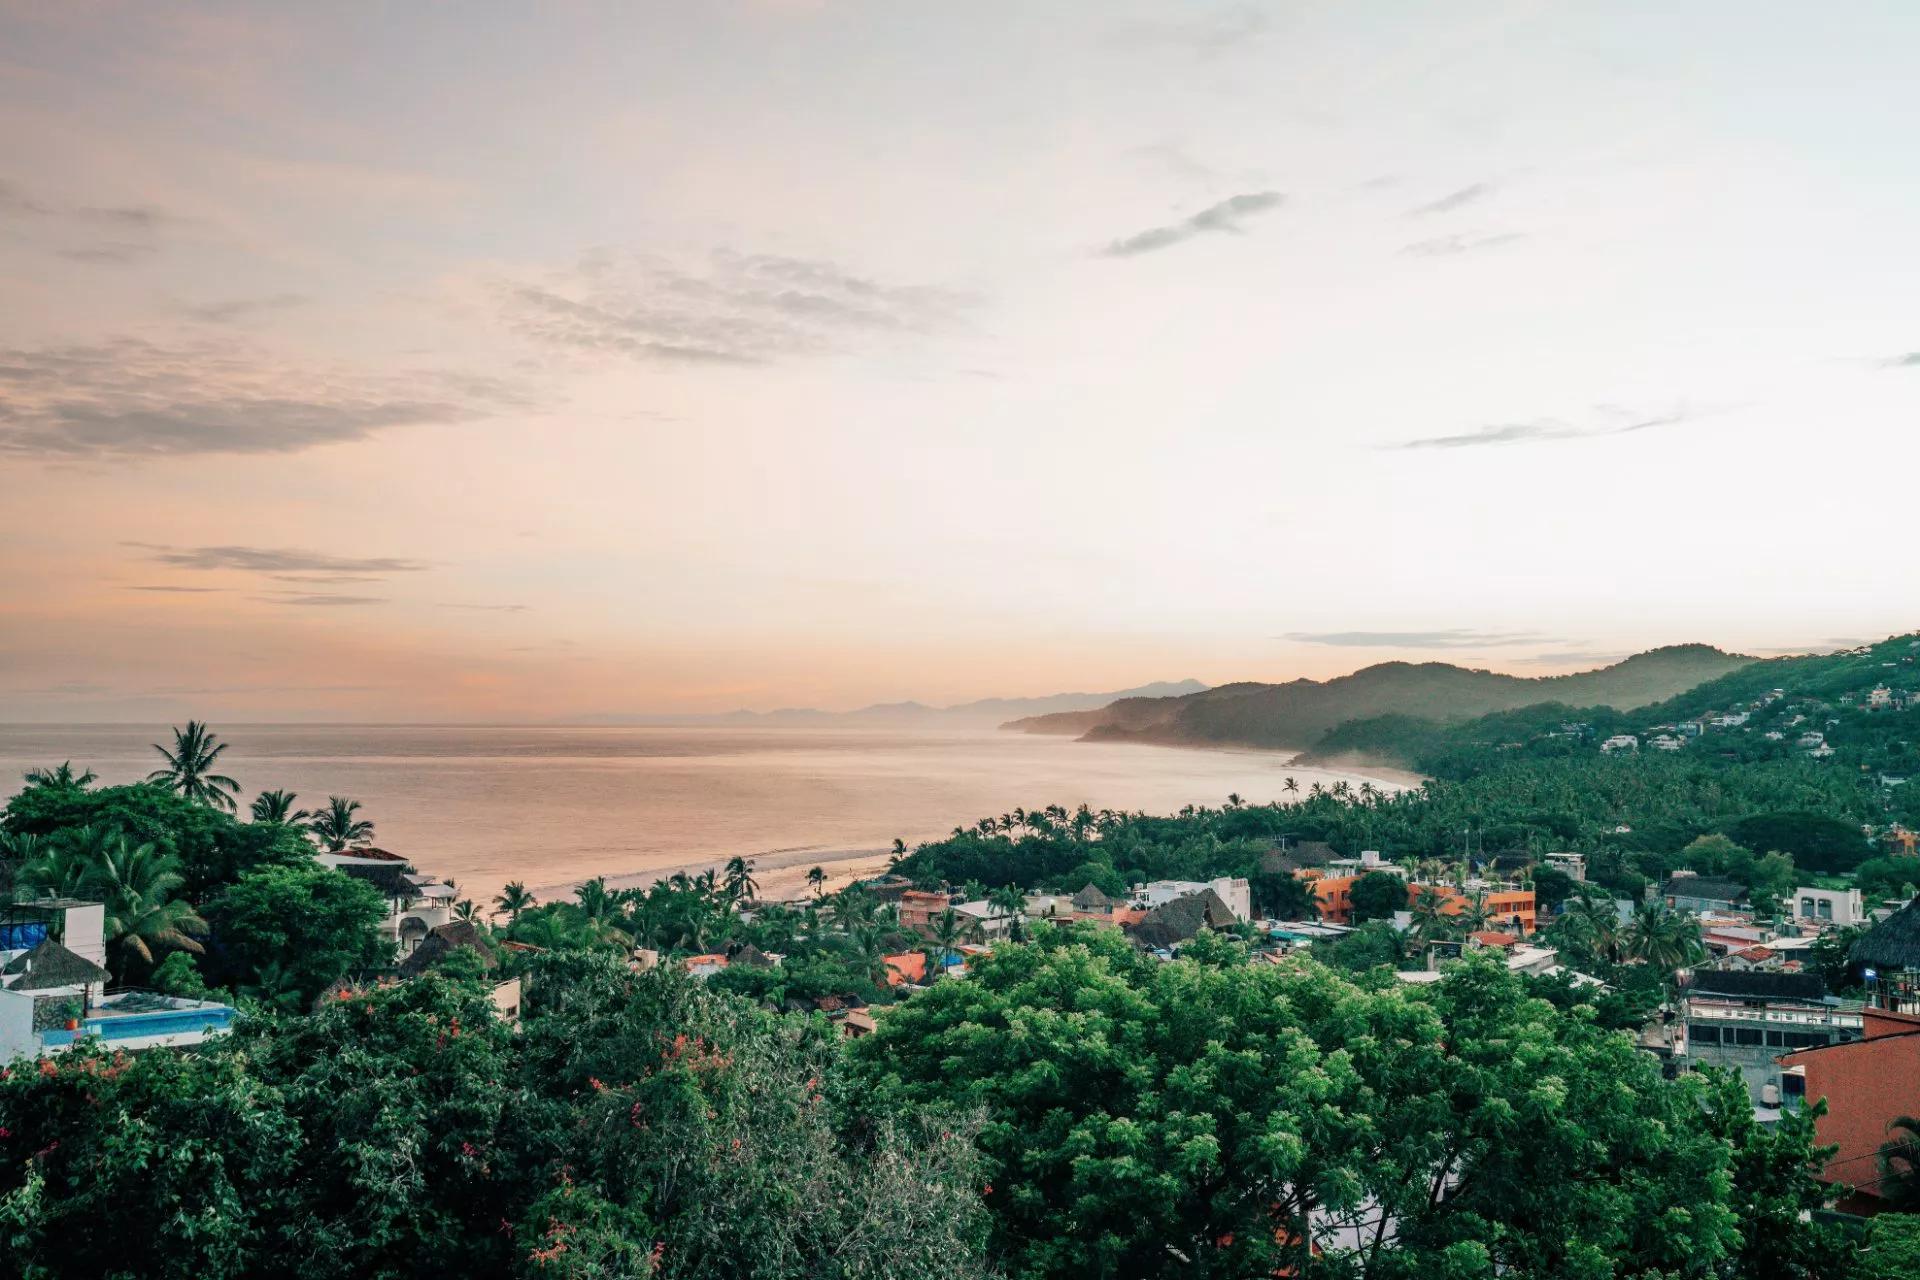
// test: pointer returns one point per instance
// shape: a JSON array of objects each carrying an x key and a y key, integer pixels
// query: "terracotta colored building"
[
  {"x": 1867, "y": 1084},
  {"x": 1507, "y": 909},
  {"x": 919, "y": 909}
]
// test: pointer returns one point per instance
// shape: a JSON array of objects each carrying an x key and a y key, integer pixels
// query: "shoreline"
[{"x": 781, "y": 873}]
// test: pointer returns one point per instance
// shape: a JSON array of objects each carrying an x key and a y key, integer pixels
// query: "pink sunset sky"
[{"x": 416, "y": 362}]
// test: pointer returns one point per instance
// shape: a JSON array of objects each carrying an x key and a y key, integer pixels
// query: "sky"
[{"x": 504, "y": 362}]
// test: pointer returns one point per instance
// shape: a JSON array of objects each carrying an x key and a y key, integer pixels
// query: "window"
[
  {"x": 1699, "y": 1034},
  {"x": 1747, "y": 1035}
]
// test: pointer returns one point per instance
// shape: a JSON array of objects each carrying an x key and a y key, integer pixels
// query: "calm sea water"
[{"x": 551, "y": 806}]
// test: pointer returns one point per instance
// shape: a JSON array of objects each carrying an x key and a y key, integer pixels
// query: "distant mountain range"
[
  {"x": 1294, "y": 715},
  {"x": 986, "y": 713}
]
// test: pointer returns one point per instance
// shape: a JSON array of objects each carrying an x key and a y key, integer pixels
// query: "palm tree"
[
  {"x": 196, "y": 750},
  {"x": 1474, "y": 915},
  {"x": 1430, "y": 919},
  {"x": 1233, "y": 800},
  {"x": 740, "y": 883},
  {"x": 1662, "y": 937},
  {"x": 1900, "y": 1165},
  {"x": 64, "y": 867},
  {"x": 947, "y": 935},
  {"x": 143, "y": 918},
  {"x": 512, "y": 899},
  {"x": 62, "y": 775},
  {"x": 1291, "y": 786},
  {"x": 1011, "y": 903},
  {"x": 336, "y": 827},
  {"x": 898, "y": 854},
  {"x": 277, "y": 806},
  {"x": 465, "y": 910},
  {"x": 816, "y": 880}
]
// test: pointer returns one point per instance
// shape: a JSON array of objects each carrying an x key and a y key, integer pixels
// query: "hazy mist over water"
[{"x": 554, "y": 805}]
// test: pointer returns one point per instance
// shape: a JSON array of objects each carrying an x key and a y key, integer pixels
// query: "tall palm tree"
[
  {"x": 1291, "y": 786},
  {"x": 336, "y": 827},
  {"x": 465, "y": 910},
  {"x": 277, "y": 806},
  {"x": 61, "y": 775},
  {"x": 143, "y": 918},
  {"x": 816, "y": 880},
  {"x": 740, "y": 883},
  {"x": 196, "y": 751},
  {"x": 512, "y": 899}
]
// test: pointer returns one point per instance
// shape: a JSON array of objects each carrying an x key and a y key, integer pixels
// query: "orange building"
[{"x": 1507, "y": 909}]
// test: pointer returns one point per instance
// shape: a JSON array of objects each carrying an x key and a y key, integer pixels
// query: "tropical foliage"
[{"x": 190, "y": 767}]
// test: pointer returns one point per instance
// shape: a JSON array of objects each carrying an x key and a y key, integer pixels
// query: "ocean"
[{"x": 553, "y": 806}]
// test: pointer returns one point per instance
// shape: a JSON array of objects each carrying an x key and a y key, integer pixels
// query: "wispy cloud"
[
  {"x": 226, "y": 312},
  {"x": 1454, "y": 200},
  {"x": 1911, "y": 360},
  {"x": 109, "y": 255},
  {"x": 731, "y": 308},
  {"x": 1452, "y": 638},
  {"x": 322, "y": 601},
  {"x": 1224, "y": 217},
  {"x": 275, "y": 560},
  {"x": 132, "y": 399},
  {"x": 16, "y": 201},
  {"x": 1611, "y": 422},
  {"x": 489, "y": 608},
  {"x": 170, "y": 589},
  {"x": 1447, "y": 246}
]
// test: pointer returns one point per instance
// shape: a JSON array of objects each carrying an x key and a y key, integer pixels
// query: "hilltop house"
[
  {"x": 1698, "y": 895},
  {"x": 1173, "y": 922},
  {"x": 53, "y": 994},
  {"x": 416, "y": 904},
  {"x": 1232, "y": 891}
]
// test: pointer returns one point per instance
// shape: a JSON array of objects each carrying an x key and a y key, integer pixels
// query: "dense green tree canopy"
[{"x": 289, "y": 931}]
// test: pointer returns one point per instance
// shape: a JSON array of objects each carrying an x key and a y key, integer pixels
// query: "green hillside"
[{"x": 1298, "y": 713}]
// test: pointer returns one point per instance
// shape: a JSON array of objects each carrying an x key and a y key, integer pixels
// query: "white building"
[
  {"x": 53, "y": 981},
  {"x": 416, "y": 904},
  {"x": 1574, "y": 865},
  {"x": 1822, "y": 907},
  {"x": 1621, "y": 742},
  {"x": 1234, "y": 891},
  {"x": 1666, "y": 742}
]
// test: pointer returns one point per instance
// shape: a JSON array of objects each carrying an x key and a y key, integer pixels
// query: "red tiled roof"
[{"x": 1489, "y": 938}]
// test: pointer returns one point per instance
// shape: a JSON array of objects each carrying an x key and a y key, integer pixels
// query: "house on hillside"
[
  {"x": 53, "y": 989},
  {"x": 416, "y": 904},
  {"x": 1168, "y": 925},
  {"x": 1620, "y": 742},
  {"x": 1697, "y": 895},
  {"x": 1821, "y": 908},
  {"x": 1233, "y": 891},
  {"x": 1091, "y": 901},
  {"x": 920, "y": 908}
]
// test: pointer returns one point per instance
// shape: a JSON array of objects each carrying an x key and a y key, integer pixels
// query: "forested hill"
[
  {"x": 1771, "y": 710},
  {"x": 1297, "y": 714}
]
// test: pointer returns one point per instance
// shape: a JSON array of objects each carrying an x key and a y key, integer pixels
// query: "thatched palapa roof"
[
  {"x": 1893, "y": 944},
  {"x": 49, "y": 965},
  {"x": 1175, "y": 922}
]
